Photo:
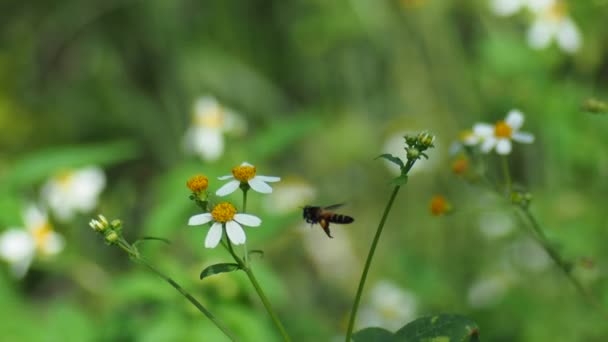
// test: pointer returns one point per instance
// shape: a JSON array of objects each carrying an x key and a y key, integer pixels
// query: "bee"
[{"x": 324, "y": 216}]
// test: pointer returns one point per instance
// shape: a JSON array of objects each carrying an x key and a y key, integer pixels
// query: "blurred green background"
[{"x": 323, "y": 87}]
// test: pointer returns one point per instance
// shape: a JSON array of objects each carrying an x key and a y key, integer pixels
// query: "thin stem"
[
  {"x": 246, "y": 254},
  {"x": 506, "y": 173},
  {"x": 541, "y": 238},
  {"x": 259, "y": 291},
  {"x": 370, "y": 255},
  {"x": 188, "y": 296}
]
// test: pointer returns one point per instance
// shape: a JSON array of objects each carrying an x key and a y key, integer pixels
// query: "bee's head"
[{"x": 306, "y": 211}]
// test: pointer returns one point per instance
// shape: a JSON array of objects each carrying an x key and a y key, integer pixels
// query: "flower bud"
[
  {"x": 197, "y": 184},
  {"x": 413, "y": 153},
  {"x": 425, "y": 139},
  {"x": 99, "y": 225},
  {"x": 112, "y": 237}
]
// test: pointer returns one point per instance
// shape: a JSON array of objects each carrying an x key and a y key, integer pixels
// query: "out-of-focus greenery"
[{"x": 322, "y": 85}]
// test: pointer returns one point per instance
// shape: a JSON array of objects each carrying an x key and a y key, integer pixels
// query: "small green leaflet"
[
  {"x": 219, "y": 268},
  {"x": 401, "y": 180},
  {"x": 392, "y": 159}
]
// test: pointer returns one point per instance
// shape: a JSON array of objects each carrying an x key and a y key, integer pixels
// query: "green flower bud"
[
  {"x": 112, "y": 237},
  {"x": 413, "y": 153}
]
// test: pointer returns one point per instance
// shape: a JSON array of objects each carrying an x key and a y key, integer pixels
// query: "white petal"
[
  {"x": 20, "y": 267},
  {"x": 226, "y": 177},
  {"x": 214, "y": 235},
  {"x": 205, "y": 106},
  {"x": 53, "y": 244},
  {"x": 269, "y": 179},
  {"x": 34, "y": 217},
  {"x": 245, "y": 164},
  {"x": 506, "y": 7},
  {"x": 488, "y": 144},
  {"x": 16, "y": 245},
  {"x": 199, "y": 219},
  {"x": 540, "y": 34},
  {"x": 515, "y": 119},
  {"x": 259, "y": 186},
  {"x": 540, "y": 6},
  {"x": 228, "y": 188},
  {"x": 483, "y": 130},
  {"x": 208, "y": 143},
  {"x": 235, "y": 232},
  {"x": 523, "y": 137},
  {"x": 248, "y": 220},
  {"x": 503, "y": 146},
  {"x": 568, "y": 36}
]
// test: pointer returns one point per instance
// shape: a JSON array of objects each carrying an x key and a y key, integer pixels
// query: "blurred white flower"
[
  {"x": 499, "y": 135},
  {"x": 224, "y": 215},
  {"x": 289, "y": 195},
  {"x": 526, "y": 254},
  {"x": 552, "y": 22},
  {"x": 246, "y": 173},
  {"x": 494, "y": 225},
  {"x": 389, "y": 307},
  {"x": 488, "y": 291},
  {"x": 205, "y": 137},
  {"x": 19, "y": 246},
  {"x": 395, "y": 145},
  {"x": 73, "y": 191}
]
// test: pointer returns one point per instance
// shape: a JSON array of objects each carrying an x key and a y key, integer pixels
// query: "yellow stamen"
[
  {"x": 213, "y": 118},
  {"x": 460, "y": 165},
  {"x": 223, "y": 212},
  {"x": 197, "y": 184},
  {"x": 439, "y": 205},
  {"x": 41, "y": 235},
  {"x": 502, "y": 130},
  {"x": 557, "y": 11},
  {"x": 244, "y": 173}
]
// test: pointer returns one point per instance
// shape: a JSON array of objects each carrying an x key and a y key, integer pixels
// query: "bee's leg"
[{"x": 325, "y": 225}]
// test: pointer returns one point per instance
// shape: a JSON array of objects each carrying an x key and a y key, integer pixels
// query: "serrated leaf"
[
  {"x": 391, "y": 158},
  {"x": 219, "y": 268},
  {"x": 401, "y": 180},
  {"x": 439, "y": 328},
  {"x": 373, "y": 335}
]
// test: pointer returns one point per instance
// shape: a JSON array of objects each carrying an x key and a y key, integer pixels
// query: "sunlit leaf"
[{"x": 219, "y": 268}]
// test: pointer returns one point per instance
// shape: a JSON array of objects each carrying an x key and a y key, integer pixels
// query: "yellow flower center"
[
  {"x": 223, "y": 212},
  {"x": 439, "y": 205},
  {"x": 41, "y": 235},
  {"x": 197, "y": 184},
  {"x": 502, "y": 130},
  {"x": 244, "y": 173},
  {"x": 557, "y": 11},
  {"x": 64, "y": 178},
  {"x": 212, "y": 119}
]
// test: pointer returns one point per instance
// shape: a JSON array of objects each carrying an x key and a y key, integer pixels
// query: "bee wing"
[{"x": 334, "y": 206}]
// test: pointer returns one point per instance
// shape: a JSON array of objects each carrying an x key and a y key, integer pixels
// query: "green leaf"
[
  {"x": 373, "y": 335},
  {"x": 439, "y": 328},
  {"x": 219, "y": 268},
  {"x": 401, "y": 180},
  {"x": 392, "y": 159}
]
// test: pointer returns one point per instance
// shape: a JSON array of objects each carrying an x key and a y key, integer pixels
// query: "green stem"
[
  {"x": 246, "y": 254},
  {"x": 506, "y": 173},
  {"x": 372, "y": 250},
  {"x": 134, "y": 254},
  {"x": 541, "y": 238},
  {"x": 259, "y": 291}
]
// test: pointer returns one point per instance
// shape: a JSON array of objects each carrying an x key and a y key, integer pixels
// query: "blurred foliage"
[{"x": 322, "y": 85}]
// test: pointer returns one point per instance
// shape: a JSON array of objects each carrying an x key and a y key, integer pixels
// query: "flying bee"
[{"x": 324, "y": 216}]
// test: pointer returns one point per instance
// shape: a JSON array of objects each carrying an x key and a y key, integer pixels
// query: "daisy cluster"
[
  {"x": 64, "y": 195},
  {"x": 223, "y": 216}
]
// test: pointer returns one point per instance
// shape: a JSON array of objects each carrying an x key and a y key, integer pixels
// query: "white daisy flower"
[
  {"x": 246, "y": 174},
  {"x": 552, "y": 22},
  {"x": 209, "y": 124},
  {"x": 499, "y": 136},
  {"x": 390, "y": 307},
  {"x": 224, "y": 216},
  {"x": 19, "y": 247},
  {"x": 74, "y": 191}
]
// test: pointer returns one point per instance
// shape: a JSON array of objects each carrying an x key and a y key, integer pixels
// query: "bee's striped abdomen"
[{"x": 341, "y": 219}]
